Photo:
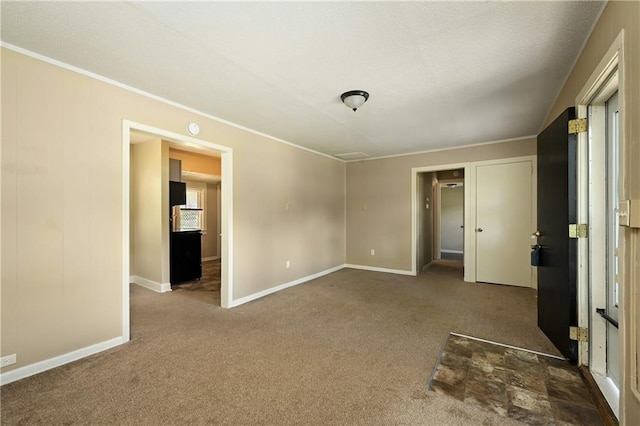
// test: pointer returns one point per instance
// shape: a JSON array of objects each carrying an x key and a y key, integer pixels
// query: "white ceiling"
[{"x": 440, "y": 74}]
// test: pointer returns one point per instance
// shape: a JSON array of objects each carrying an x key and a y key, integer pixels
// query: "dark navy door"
[{"x": 557, "y": 270}]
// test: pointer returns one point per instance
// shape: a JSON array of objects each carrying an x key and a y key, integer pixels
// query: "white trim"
[
  {"x": 48, "y": 364},
  {"x": 152, "y": 96},
  {"x": 206, "y": 259},
  {"x": 226, "y": 287},
  {"x": 429, "y": 151},
  {"x": 226, "y": 230},
  {"x": 275, "y": 289},
  {"x": 509, "y": 346},
  {"x": 610, "y": 392},
  {"x": 469, "y": 219},
  {"x": 151, "y": 285},
  {"x": 469, "y": 209},
  {"x": 126, "y": 216},
  {"x": 377, "y": 269},
  {"x": 451, "y": 251},
  {"x": 593, "y": 353},
  {"x": 599, "y": 78}
]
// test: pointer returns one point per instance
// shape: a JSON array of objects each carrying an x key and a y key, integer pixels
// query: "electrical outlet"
[
  {"x": 287, "y": 264},
  {"x": 373, "y": 252},
  {"x": 8, "y": 360}
]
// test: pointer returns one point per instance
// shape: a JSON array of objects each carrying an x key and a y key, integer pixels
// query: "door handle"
[
  {"x": 479, "y": 230},
  {"x": 536, "y": 234}
]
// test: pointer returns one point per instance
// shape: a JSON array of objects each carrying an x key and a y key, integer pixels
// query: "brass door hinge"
[
  {"x": 578, "y": 230},
  {"x": 579, "y": 333},
  {"x": 579, "y": 125}
]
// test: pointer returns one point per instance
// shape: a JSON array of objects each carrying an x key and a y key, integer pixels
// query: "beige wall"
[
  {"x": 62, "y": 201},
  {"x": 425, "y": 219},
  {"x": 199, "y": 163},
  {"x": 210, "y": 245},
  {"x": 149, "y": 204},
  {"x": 617, "y": 16},
  {"x": 379, "y": 200}
]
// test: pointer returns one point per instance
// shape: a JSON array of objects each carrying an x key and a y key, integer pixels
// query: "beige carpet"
[{"x": 351, "y": 348}]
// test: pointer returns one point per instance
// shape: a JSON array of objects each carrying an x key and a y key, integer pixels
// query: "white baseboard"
[
  {"x": 451, "y": 251},
  {"x": 376, "y": 269},
  {"x": 205, "y": 259},
  {"x": 151, "y": 285},
  {"x": 39, "y": 367},
  {"x": 610, "y": 392},
  {"x": 271, "y": 290}
]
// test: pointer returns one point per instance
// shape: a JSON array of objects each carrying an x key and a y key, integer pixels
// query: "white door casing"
[
  {"x": 612, "y": 240},
  {"x": 590, "y": 104},
  {"x": 470, "y": 198},
  {"x": 602, "y": 192},
  {"x": 226, "y": 216}
]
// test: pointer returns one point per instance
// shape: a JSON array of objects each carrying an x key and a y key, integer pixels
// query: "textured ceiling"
[{"x": 440, "y": 74}]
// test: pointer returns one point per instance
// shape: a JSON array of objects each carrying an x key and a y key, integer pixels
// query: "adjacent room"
[{"x": 364, "y": 213}]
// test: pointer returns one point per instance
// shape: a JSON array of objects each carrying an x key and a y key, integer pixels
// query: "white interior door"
[{"x": 504, "y": 223}]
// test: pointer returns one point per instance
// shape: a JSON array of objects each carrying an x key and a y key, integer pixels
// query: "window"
[{"x": 192, "y": 214}]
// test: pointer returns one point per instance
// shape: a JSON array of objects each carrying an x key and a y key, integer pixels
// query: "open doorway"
[
  {"x": 195, "y": 231},
  {"x": 160, "y": 261},
  {"x": 440, "y": 217},
  {"x": 449, "y": 218}
]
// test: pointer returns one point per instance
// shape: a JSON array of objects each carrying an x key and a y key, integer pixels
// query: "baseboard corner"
[
  {"x": 151, "y": 285},
  {"x": 263, "y": 293}
]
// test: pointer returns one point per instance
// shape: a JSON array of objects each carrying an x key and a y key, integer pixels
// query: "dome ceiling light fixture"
[{"x": 354, "y": 99}]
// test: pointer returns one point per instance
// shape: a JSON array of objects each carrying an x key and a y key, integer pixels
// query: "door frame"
[
  {"x": 591, "y": 353},
  {"x": 469, "y": 258},
  {"x": 226, "y": 289},
  {"x": 469, "y": 210}
]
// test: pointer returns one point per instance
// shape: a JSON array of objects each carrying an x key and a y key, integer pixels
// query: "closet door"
[{"x": 503, "y": 223}]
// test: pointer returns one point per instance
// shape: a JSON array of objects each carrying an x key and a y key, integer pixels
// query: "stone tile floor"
[
  {"x": 210, "y": 280},
  {"x": 526, "y": 386}
]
